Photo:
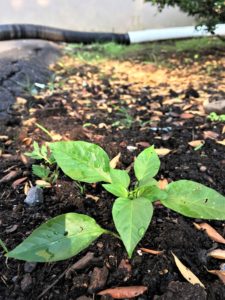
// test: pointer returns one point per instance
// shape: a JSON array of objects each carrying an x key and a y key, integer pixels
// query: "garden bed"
[{"x": 124, "y": 106}]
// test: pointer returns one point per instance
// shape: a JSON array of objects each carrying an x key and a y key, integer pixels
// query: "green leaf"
[
  {"x": 40, "y": 171},
  {"x": 116, "y": 189},
  {"x": 132, "y": 218},
  {"x": 59, "y": 238},
  {"x": 35, "y": 154},
  {"x": 194, "y": 200},
  {"x": 82, "y": 161},
  {"x": 146, "y": 164},
  {"x": 152, "y": 193},
  {"x": 120, "y": 177},
  {"x": 149, "y": 181}
]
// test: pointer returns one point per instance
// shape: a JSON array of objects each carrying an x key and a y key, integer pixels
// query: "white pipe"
[{"x": 172, "y": 33}]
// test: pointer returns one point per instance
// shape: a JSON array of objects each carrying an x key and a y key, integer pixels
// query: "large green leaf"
[
  {"x": 195, "y": 200},
  {"x": 146, "y": 164},
  {"x": 132, "y": 218},
  {"x": 82, "y": 161},
  {"x": 120, "y": 177},
  {"x": 116, "y": 189},
  {"x": 59, "y": 238}
]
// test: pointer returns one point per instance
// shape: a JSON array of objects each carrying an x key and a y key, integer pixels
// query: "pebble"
[
  {"x": 131, "y": 148},
  {"x": 29, "y": 267},
  {"x": 34, "y": 196},
  {"x": 26, "y": 282},
  {"x": 203, "y": 168}
]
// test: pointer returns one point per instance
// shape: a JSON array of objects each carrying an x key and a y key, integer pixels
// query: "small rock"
[
  {"x": 34, "y": 196},
  {"x": 131, "y": 148},
  {"x": 215, "y": 106},
  {"x": 29, "y": 267},
  {"x": 203, "y": 168},
  {"x": 26, "y": 283}
]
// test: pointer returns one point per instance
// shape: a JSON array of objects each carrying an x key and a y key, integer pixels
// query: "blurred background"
[{"x": 92, "y": 15}]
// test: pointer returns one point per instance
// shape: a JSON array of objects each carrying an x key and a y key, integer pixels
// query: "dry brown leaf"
[
  {"x": 43, "y": 183},
  {"x": 217, "y": 253},
  {"x": 220, "y": 274},
  {"x": 196, "y": 143},
  {"x": 162, "y": 183},
  {"x": 143, "y": 144},
  {"x": 24, "y": 159},
  {"x": 27, "y": 141},
  {"x": 208, "y": 134},
  {"x": 151, "y": 251},
  {"x": 162, "y": 151},
  {"x": 29, "y": 122},
  {"x": 221, "y": 142},
  {"x": 113, "y": 163},
  {"x": 124, "y": 292},
  {"x": 186, "y": 116},
  {"x": 26, "y": 188},
  {"x": 172, "y": 101},
  {"x": 95, "y": 198},
  {"x": 4, "y": 138},
  {"x": 223, "y": 130},
  {"x": 11, "y": 175},
  {"x": 187, "y": 273},
  {"x": 56, "y": 136},
  {"x": 18, "y": 182},
  {"x": 211, "y": 232}
]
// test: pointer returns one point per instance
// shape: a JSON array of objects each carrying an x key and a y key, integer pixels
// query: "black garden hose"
[{"x": 28, "y": 31}]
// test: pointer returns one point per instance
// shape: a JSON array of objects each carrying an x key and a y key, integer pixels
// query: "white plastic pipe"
[{"x": 172, "y": 33}]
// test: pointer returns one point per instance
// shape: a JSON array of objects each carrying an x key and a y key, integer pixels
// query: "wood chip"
[{"x": 80, "y": 264}]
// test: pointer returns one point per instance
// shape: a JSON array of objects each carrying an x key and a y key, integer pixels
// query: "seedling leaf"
[
  {"x": 59, "y": 238},
  {"x": 120, "y": 177},
  {"x": 82, "y": 161},
  {"x": 194, "y": 200},
  {"x": 152, "y": 193},
  {"x": 132, "y": 218},
  {"x": 146, "y": 164},
  {"x": 116, "y": 189},
  {"x": 40, "y": 171}
]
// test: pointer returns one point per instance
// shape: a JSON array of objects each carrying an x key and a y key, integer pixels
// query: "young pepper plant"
[{"x": 66, "y": 235}]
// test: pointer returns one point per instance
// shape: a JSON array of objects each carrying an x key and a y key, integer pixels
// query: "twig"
[{"x": 54, "y": 283}]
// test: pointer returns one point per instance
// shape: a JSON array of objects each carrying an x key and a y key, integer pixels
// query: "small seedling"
[
  {"x": 214, "y": 117},
  {"x": 66, "y": 235},
  {"x": 125, "y": 118}
]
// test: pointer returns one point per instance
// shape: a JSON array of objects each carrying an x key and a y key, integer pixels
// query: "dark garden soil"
[{"x": 117, "y": 104}]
